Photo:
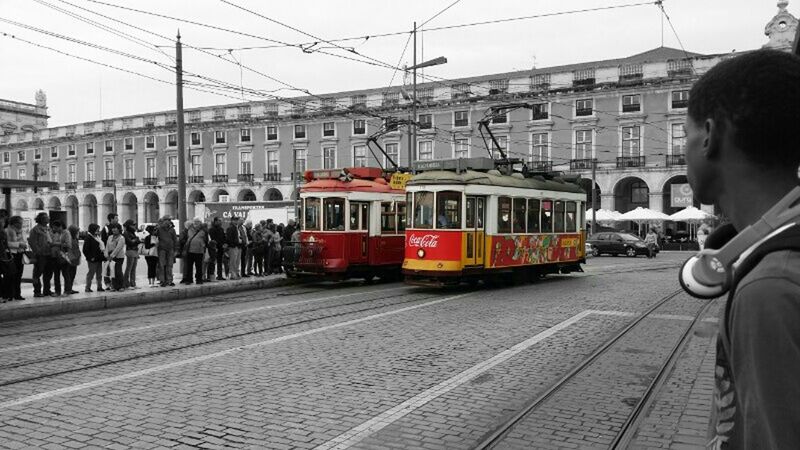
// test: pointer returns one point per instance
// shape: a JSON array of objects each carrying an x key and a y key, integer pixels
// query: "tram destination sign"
[{"x": 457, "y": 164}]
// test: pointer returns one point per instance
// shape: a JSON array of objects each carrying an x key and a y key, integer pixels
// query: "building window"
[
  {"x": 680, "y": 99},
  {"x": 461, "y": 118},
  {"x": 220, "y": 164},
  {"x": 54, "y": 173},
  {"x": 129, "y": 168},
  {"x": 460, "y": 90},
  {"x": 21, "y": 175},
  {"x": 328, "y": 129},
  {"x": 358, "y": 101},
  {"x": 196, "y": 165},
  {"x": 540, "y": 81},
  {"x": 393, "y": 153},
  {"x": 172, "y": 165},
  {"x": 245, "y": 163},
  {"x": 53, "y": 153},
  {"x": 6, "y": 158},
  {"x": 461, "y": 148},
  {"x": 109, "y": 146},
  {"x": 219, "y": 137},
  {"x": 539, "y": 147},
  {"x": 390, "y": 124},
  {"x": 272, "y": 133},
  {"x": 299, "y": 131},
  {"x": 328, "y": 104},
  {"x": 172, "y": 140},
  {"x": 150, "y": 142},
  {"x": 244, "y": 135},
  {"x": 425, "y": 95},
  {"x": 503, "y": 118},
  {"x": 194, "y": 138},
  {"x": 583, "y": 144},
  {"x": 503, "y": 141},
  {"x": 271, "y": 109},
  {"x": 244, "y": 112},
  {"x": 108, "y": 169},
  {"x": 194, "y": 116},
  {"x": 272, "y": 161},
  {"x": 583, "y": 77},
  {"x": 631, "y": 144},
  {"x": 359, "y": 126},
  {"x": 90, "y": 171},
  {"x": 360, "y": 156},
  {"x": 678, "y": 146},
  {"x": 540, "y": 111},
  {"x": 37, "y": 154},
  {"x": 21, "y": 156},
  {"x": 219, "y": 114},
  {"x": 631, "y": 103},
  {"x": 300, "y": 160},
  {"x": 425, "y": 121},
  {"x": 5, "y": 173},
  {"x": 583, "y": 107},
  {"x": 640, "y": 193},
  {"x": 391, "y": 98},
  {"x": 89, "y": 148},
  {"x": 71, "y": 150},
  {"x": 150, "y": 167},
  {"x": 329, "y": 157},
  {"x": 425, "y": 151},
  {"x": 498, "y": 86},
  {"x": 128, "y": 143},
  {"x": 72, "y": 173}
]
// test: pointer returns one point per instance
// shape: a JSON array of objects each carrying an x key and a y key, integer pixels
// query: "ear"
[{"x": 712, "y": 138}]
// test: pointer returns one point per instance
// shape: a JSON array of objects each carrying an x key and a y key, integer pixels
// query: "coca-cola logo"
[{"x": 424, "y": 241}]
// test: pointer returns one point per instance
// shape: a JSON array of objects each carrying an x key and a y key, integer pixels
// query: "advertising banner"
[{"x": 682, "y": 195}]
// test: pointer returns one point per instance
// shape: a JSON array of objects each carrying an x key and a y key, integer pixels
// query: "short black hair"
[
  {"x": 115, "y": 226},
  {"x": 41, "y": 216},
  {"x": 55, "y": 223},
  {"x": 111, "y": 216},
  {"x": 758, "y": 94}
]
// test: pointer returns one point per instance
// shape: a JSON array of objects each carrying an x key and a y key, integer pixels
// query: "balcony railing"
[
  {"x": 244, "y": 177},
  {"x": 89, "y": 184},
  {"x": 197, "y": 179},
  {"x": 579, "y": 164},
  {"x": 583, "y": 112},
  {"x": 219, "y": 178},
  {"x": 109, "y": 183},
  {"x": 129, "y": 181},
  {"x": 170, "y": 180},
  {"x": 676, "y": 160},
  {"x": 540, "y": 166},
  {"x": 272, "y": 176},
  {"x": 70, "y": 185},
  {"x": 297, "y": 175},
  {"x": 150, "y": 181},
  {"x": 630, "y": 161},
  {"x": 540, "y": 115},
  {"x": 631, "y": 108},
  {"x": 55, "y": 188},
  {"x": 680, "y": 104}
]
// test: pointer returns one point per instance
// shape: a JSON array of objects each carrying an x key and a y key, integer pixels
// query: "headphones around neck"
[{"x": 708, "y": 274}]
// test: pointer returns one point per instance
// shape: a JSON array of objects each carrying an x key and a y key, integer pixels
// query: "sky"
[{"x": 81, "y": 91}]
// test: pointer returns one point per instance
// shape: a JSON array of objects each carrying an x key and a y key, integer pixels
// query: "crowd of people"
[{"x": 111, "y": 252}]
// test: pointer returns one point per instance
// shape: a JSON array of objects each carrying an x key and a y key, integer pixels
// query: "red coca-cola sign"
[{"x": 423, "y": 241}]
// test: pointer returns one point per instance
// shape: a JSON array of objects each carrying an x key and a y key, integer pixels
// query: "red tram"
[
  {"x": 467, "y": 221},
  {"x": 352, "y": 225}
]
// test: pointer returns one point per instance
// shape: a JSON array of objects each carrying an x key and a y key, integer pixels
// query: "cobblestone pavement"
[{"x": 328, "y": 366}]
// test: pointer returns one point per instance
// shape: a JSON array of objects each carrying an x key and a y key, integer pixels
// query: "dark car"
[{"x": 617, "y": 244}]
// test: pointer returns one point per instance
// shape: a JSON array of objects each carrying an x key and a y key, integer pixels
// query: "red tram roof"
[{"x": 352, "y": 179}]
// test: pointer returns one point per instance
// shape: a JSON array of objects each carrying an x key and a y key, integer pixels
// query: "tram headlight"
[{"x": 420, "y": 253}]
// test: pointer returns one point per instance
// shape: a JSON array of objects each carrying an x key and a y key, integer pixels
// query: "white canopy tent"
[
  {"x": 642, "y": 215},
  {"x": 693, "y": 216},
  {"x": 603, "y": 215}
]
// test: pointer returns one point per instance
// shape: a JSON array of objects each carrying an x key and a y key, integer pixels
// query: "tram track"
[{"x": 626, "y": 433}]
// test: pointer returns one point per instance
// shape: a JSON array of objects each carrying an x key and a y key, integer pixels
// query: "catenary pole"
[
  {"x": 594, "y": 192},
  {"x": 412, "y": 148},
  {"x": 181, "y": 152}
]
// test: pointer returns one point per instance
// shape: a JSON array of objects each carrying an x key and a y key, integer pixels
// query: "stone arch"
[
  {"x": 192, "y": 200},
  {"x": 89, "y": 211},
  {"x": 630, "y": 193},
  {"x": 38, "y": 204},
  {"x": 273, "y": 195},
  {"x": 152, "y": 209},
  {"x": 71, "y": 205},
  {"x": 246, "y": 195},
  {"x": 54, "y": 203},
  {"x": 171, "y": 204},
  {"x": 295, "y": 194},
  {"x": 108, "y": 206},
  {"x": 215, "y": 195},
  {"x": 129, "y": 209},
  {"x": 22, "y": 205}
]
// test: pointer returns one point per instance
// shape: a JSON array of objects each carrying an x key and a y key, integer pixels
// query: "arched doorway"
[
  {"x": 630, "y": 193},
  {"x": 89, "y": 211},
  {"x": 246, "y": 195},
  {"x": 151, "y": 208},
  {"x": 72, "y": 207},
  {"x": 273, "y": 195},
  {"x": 107, "y": 207},
  {"x": 171, "y": 204},
  {"x": 129, "y": 209},
  {"x": 38, "y": 204},
  {"x": 54, "y": 204},
  {"x": 193, "y": 199},
  {"x": 22, "y": 205},
  {"x": 220, "y": 195}
]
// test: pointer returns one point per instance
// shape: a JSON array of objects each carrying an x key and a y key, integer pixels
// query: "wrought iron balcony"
[
  {"x": 540, "y": 115},
  {"x": 632, "y": 108},
  {"x": 630, "y": 161},
  {"x": 56, "y": 187},
  {"x": 680, "y": 104},
  {"x": 296, "y": 176},
  {"x": 171, "y": 180},
  {"x": 540, "y": 166},
  {"x": 272, "y": 176},
  {"x": 129, "y": 181},
  {"x": 89, "y": 184},
  {"x": 219, "y": 178},
  {"x": 197, "y": 179},
  {"x": 676, "y": 160},
  {"x": 583, "y": 112},
  {"x": 70, "y": 185},
  {"x": 109, "y": 183},
  {"x": 244, "y": 177},
  {"x": 580, "y": 164},
  {"x": 150, "y": 181}
]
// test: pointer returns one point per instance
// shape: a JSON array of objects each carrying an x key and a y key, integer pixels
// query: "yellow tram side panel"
[
  {"x": 476, "y": 258},
  {"x": 512, "y": 250}
]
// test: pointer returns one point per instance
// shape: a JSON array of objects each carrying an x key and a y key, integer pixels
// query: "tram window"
[
  {"x": 401, "y": 217},
  {"x": 558, "y": 217},
  {"x": 519, "y": 216},
  {"x": 365, "y": 216},
  {"x": 334, "y": 214},
  {"x": 503, "y": 215},
  {"x": 571, "y": 213},
  {"x": 358, "y": 216},
  {"x": 409, "y": 209},
  {"x": 423, "y": 210},
  {"x": 533, "y": 216},
  {"x": 547, "y": 216},
  {"x": 470, "y": 219},
  {"x": 311, "y": 214},
  {"x": 480, "y": 212},
  {"x": 387, "y": 219},
  {"x": 448, "y": 210},
  {"x": 581, "y": 217}
]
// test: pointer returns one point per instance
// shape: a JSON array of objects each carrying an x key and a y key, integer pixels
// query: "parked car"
[{"x": 617, "y": 244}]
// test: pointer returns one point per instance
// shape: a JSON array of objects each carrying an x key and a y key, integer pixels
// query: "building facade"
[
  {"x": 625, "y": 115},
  {"x": 16, "y": 117}
]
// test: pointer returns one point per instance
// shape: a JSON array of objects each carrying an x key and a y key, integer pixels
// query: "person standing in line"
[
  {"x": 234, "y": 240},
  {"x": 277, "y": 250},
  {"x": 74, "y": 259},
  {"x": 183, "y": 253},
  {"x": 59, "y": 246},
  {"x": 167, "y": 241},
  {"x": 113, "y": 218},
  {"x": 151, "y": 254},
  {"x": 289, "y": 231},
  {"x": 217, "y": 234},
  {"x": 17, "y": 246},
  {"x": 94, "y": 252},
  {"x": 132, "y": 243},
  {"x": 196, "y": 249},
  {"x": 258, "y": 251},
  {"x": 115, "y": 252},
  {"x": 247, "y": 248},
  {"x": 6, "y": 260},
  {"x": 211, "y": 250},
  {"x": 39, "y": 240}
]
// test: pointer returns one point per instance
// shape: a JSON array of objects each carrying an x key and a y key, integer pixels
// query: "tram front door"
[
  {"x": 359, "y": 224},
  {"x": 474, "y": 232}
]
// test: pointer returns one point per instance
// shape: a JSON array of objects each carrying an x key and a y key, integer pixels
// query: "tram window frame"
[
  {"x": 409, "y": 209},
  {"x": 518, "y": 227},
  {"x": 469, "y": 221},
  {"x": 401, "y": 208},
  {"x": 480, "y": 213},
  {"x": 448, "y": 207},
  {"x": 360, "y": 212},
  {"x": 333, "y": 201},
  {"x": 504, "y": 226},
  {"x": 317, "y": 204},
  {"x": 533, "y": 216},
  {"x": 423, "y": 200},
  {"x": 570, "y": 217},
  {"x": 558, "y": 217},
  {"x": 388, "y": 218},
  {"x": 546, "y": 217}
]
